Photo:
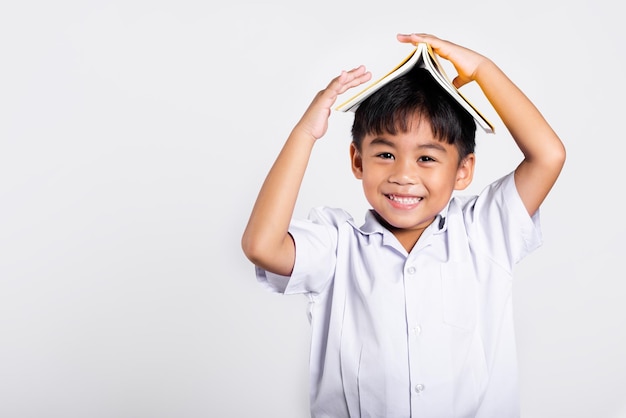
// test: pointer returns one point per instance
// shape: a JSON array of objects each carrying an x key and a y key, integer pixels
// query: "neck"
[{"x": 407, "y": 237}]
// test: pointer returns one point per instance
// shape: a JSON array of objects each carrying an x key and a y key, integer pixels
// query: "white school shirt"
[{"x": 422, "y": 334}]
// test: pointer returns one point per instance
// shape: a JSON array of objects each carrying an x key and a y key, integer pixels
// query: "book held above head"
[{"x": 422, "y": 56}]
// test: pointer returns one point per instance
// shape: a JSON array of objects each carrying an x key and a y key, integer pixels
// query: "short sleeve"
[
  {"x": 316, "y": 250},
  {"x": 500, "y": 224}
]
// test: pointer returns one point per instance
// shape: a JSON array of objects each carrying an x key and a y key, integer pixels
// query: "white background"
[{"x": 134, "y": 136}]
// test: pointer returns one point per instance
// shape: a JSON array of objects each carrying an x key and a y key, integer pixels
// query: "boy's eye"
[
  {"x": 385, "y": 155},
  {"x": 426, "y": 159}
]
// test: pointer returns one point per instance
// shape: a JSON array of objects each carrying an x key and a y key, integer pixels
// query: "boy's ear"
[
  {"x": 465, "y": 172},
  {"x": 357, "y": 162}
]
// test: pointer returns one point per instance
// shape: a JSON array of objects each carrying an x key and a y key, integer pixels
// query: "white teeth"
[{"x": 405, "y": 200}]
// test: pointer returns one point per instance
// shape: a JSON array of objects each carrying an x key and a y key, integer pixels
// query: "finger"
[
  {"x": 459, "y": 82},
  {"x": 357, "y": 76},
  {"x": 440, "y": 46},
  {"x": 416, "y": 38},
  {"x": 349, "y": 79},
  {"x": 339, "y": 85}
]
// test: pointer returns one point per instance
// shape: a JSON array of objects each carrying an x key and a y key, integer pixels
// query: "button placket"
[{"x": 414, "y": 329}]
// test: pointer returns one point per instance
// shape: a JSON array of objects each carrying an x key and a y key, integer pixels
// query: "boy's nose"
[{"x": 403, "y": 173}]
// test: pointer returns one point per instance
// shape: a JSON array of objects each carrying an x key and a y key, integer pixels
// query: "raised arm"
[
  {"x": 266, "y": 241},
  {"x": 544, "y": 153}
]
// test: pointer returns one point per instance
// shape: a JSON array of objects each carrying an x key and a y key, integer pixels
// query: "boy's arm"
[
  {"x": 544, "y": 153},
  {"x": 266, "y": 241}
]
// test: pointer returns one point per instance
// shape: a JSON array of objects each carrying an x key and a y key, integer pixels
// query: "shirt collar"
[
  {"x": 454, "y": 249},
  {"x": 442, "y": 220},
  {"x": 372, "y": 225}
]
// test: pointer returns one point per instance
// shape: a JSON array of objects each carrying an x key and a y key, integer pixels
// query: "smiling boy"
[
  {"x": 408, "y": 172},
  {"x": 411, "y": 312}
]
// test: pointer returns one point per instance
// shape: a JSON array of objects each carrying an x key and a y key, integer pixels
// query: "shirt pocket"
[{"x": 459, "y": 294}]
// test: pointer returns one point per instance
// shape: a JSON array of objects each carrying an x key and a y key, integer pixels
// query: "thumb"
[{"x": 458, "y": 82}]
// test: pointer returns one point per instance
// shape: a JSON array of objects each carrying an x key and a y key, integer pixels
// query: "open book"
[{"x": 422, "y": 56}]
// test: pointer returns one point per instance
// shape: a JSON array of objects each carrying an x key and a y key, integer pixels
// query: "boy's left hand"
[{"x": 466, "y": 62}]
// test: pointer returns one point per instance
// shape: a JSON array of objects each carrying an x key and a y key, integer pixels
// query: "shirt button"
[
  {"x": 411, "y": 270},
  {"x": 419, "y": 388},
  {"x": 417, "y": 330}
]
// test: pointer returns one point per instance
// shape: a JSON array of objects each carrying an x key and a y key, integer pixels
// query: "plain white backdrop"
[{"x": 134, "y": 136}]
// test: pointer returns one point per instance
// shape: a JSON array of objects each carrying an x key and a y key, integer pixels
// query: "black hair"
[{"x": 390, "y": 110}]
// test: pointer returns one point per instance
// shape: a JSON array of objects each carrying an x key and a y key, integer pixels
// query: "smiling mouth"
[{"x": 404, "y": 200}]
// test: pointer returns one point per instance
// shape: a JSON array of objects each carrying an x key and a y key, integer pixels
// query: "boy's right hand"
[
  {"x": 266, "y": 240},
  {"x": 314, "y": 122}
]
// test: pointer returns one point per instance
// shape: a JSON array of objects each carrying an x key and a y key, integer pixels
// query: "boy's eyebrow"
[
  {"x": 382, "y": 141},
  {"x": 432, "y": 145},
  {"x": 429, "y": 145}
]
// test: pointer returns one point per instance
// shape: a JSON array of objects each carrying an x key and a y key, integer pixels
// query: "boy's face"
[{"x": 408, "y": 178}]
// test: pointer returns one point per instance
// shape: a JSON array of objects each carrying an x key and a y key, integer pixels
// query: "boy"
[{"x": 411, "y": 312}]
